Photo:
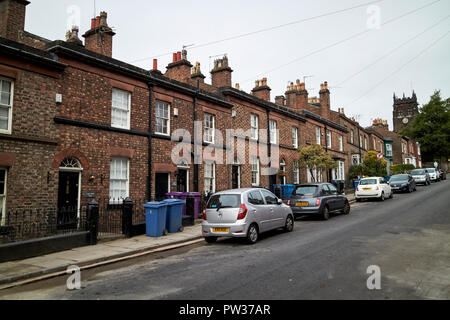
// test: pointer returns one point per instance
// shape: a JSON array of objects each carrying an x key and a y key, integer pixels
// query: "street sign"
[
  {"x": 380, "y": 156},
  {"x": 436, "y": 164}
]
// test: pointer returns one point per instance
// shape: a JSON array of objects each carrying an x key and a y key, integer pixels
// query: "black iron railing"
[{"x": 33, "y": 223}]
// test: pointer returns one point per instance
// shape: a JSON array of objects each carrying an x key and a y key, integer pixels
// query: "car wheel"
[
  {"x": 289, "y": 226},
  {"x": 346, "y": 208},
  {"x": 210, "y": 239},
  {"x": 252, "y": 234},
  {"x": 382, "y": 196},
  {"x": 325, "y": 213}
]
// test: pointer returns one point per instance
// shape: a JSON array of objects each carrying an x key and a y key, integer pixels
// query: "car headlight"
[{"x": 404, "y": 184}]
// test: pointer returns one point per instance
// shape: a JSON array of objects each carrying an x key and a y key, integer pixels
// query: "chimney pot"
[
  {"x": 155, "y": 64},
  {"x": 174, "y": 58},
  {"x": 237, "y": 86},
  {"x": 178, "y": 55},
  {"x": 93, "y": 22},
  {"x": 321, "y": 86},
  {"x": 97, "y": 21}
]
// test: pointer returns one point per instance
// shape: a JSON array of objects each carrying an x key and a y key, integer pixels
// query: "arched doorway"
[
  {"x": 183, "y": 176},
  {"x": 69, "y": 189}
]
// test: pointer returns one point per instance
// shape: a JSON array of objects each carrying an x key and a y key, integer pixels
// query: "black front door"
[
  {"x": 68, "y": 200},
  {"x": 161, "y": 186},
  {"x": 272, "y": 181},
  {"x": 235, "y": 177},
  {"x": 182, "y": 180}
]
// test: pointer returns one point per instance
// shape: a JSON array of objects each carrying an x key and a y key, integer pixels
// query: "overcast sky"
[{"x": 149, "y": 28}]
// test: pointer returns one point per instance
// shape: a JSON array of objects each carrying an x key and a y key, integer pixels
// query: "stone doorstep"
[{"x": 119, "y": 252}]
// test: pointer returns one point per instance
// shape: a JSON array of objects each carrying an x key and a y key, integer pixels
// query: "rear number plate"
[
  {"x": 302, "y": 204},
  {"x": 220, "y": 229},
  {"x": 367, "y": 188}
]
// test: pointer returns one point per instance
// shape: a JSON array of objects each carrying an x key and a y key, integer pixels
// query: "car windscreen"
[
  {"x": 417, "y": 172},
  {"x": 400, "y": 177},
  {"x": 224, "y": 201},
  {"x": 305, "y": 190},
  {"x": 366, "y": 182},
  {"x": 431, "y": 170}
]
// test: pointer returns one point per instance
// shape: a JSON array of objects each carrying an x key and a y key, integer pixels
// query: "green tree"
[
  {"x": 354, "y": 171},
  {"x": 401, "y": 168},
  {"x": 315, "y": 157},
  {"x": 431, "y": 127},
  {"x": 374, "y": 167}
]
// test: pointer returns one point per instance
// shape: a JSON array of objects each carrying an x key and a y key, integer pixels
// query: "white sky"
[{"x": 149, "y": 28}]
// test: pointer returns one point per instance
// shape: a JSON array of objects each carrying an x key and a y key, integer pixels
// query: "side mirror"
[{"x": 280, "y": 202}]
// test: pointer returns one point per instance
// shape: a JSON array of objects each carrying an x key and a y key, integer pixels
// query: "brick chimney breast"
[
  {"x": 180, "y": 68},
  {"x": 196, "y": 73},
  {"x": 12, "y": 18},
  {"x": 324, "y": 100},
  {"x": 221, "y": 73},
  {"x": 262, "y": 90},
  {"x": 99, "y": 38},
  {"x": 73, "y": 36}
]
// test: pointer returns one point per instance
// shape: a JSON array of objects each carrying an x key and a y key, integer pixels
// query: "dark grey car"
[{"x": 318, "y": 199}]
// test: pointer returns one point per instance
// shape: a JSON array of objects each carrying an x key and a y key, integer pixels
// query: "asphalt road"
[{"x": 407, "y": 237}]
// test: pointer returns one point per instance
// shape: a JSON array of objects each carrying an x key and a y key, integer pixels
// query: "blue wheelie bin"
[
  {"x": 174, "y": 215},
  {"x": 155, "y": 219}
]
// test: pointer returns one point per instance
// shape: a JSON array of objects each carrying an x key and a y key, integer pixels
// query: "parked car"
[
  {"x": 244, "y": 213},
  {"x": 320, "y": 199},
  {"x": 375, "y": 187},
  {"x": 434, "y": 175},
  {"x": 421, "y": 176},
  {"x": 402, "y": 183},
  {"x": 442, "y": 174}
]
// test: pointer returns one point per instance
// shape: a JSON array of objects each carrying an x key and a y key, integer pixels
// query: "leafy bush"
[{"x": 401, "y": 168}]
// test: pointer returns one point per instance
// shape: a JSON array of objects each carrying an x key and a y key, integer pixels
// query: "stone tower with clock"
[{"x": 405, "y": 110}]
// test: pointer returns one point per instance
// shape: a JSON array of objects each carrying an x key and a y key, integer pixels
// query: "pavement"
[{"x": 25, "y": 271}]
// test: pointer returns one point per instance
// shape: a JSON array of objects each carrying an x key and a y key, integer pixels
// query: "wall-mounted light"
[
  {"x": 91, "y": 177},
  {"x": 175, "y": 112}
]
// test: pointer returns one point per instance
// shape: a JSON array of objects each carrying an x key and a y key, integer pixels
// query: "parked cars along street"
[
  {"x": 244, "y": 213},
  {"x": 319, "y": 199},
  {"x": 402, "y": 183},
  {"x": 421, "y": 176},
  {"x": 434, "y": 175},
  {"x": 375, "y": 187}
]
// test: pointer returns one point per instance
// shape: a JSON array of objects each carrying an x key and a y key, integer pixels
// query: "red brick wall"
[{"x": 32, "y": 142}]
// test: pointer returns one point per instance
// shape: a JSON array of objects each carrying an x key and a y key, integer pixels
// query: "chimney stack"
[
  {"x": 73, "y": 36},
  {"x": 180, "y": 68},
  {"x": 12, "y": 18},
  {"x": 324, "y": 100},
  {"x": 262, "y": 90},
  {"x": 221, "y": 73},
  {"x": 196, "y": 74},
  {"x": 100, "y": 37},
  {"x": 296, "y": 95},
  {"x": 280, "y": 100}
]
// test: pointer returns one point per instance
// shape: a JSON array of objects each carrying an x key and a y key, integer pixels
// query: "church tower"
[{"x": 405, "y": 110}]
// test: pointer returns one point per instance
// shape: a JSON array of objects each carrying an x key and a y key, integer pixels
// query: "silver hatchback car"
[{"x": 244, "y": 213}]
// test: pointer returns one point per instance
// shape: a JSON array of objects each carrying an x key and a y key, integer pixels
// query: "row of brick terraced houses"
[{"x": 76, "y": 124}]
